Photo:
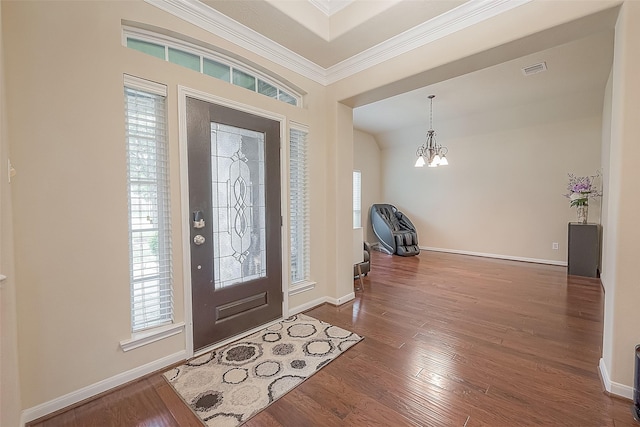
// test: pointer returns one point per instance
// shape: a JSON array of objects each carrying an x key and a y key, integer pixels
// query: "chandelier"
[{"x": 431, "y": 153}]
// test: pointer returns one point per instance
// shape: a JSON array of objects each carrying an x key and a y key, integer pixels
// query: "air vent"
[{"x": 534, "y": 69}]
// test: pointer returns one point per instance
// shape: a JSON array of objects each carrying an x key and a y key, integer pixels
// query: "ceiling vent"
[{"x": 534, "y": 69}]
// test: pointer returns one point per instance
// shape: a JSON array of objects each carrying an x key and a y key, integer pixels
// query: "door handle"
[{"x": 198, "y": 239}]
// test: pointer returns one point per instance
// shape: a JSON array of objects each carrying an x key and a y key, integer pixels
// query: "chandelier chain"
[{"x": 431, "y": 112}]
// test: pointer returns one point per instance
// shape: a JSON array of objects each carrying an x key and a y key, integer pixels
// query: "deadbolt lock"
[{"x": 198, "y": 219}]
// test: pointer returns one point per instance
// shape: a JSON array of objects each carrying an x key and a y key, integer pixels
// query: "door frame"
[{"x": 185, "y": 214}]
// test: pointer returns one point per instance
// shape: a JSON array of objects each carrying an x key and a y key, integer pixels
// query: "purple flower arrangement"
[{"x": 581, "y": 189}]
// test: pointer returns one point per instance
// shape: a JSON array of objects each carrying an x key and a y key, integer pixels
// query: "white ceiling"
[
  {"x": 327, "y": 40},
  {"x": 580, "y": 67}
]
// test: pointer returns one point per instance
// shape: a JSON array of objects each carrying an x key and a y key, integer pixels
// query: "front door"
[{"x": 234, "y": 200}]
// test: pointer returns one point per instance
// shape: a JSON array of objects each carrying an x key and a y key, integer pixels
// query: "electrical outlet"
[{"x": 554, "y": 246}]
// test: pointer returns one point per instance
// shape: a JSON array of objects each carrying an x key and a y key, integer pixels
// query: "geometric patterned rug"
[{"x": 229, "y": 385}]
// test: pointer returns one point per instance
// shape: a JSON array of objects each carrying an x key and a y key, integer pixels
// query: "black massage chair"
[{"x": 396, "y": 233}]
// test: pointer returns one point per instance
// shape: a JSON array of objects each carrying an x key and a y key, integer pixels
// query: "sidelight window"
[
  {"x": 148, "y": 191},
  {"x": 357, "y": 199},
  {"x": 299, "y": 205}
]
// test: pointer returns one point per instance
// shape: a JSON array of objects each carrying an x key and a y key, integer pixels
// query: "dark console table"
[{"x": 584, "y": 249}]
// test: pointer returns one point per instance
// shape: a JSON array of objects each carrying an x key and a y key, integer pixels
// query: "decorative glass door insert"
[{"x": 238, "y": 203}]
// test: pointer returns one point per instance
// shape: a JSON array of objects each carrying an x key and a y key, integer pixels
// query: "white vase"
[{"x": 583, "y": 213}]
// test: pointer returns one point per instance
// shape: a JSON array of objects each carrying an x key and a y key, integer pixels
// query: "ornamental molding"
[{"x": 457, "y": 19}]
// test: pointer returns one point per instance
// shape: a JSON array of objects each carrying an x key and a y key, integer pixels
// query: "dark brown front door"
[{"x": 234, "y": 199}]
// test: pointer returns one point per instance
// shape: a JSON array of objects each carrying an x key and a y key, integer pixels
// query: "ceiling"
[
  {"x": 576, "y": 71},
  {"x": 327, "y": 40}
]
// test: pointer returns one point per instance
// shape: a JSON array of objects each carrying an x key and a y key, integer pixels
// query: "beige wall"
[
  {"x": 427, "y": 63},
  {"x": 432, "y": 63},
  {"x": 366, "y": 159},
  {"x": 609, "y": 222},
  {"x": 65, "y": 65},
  {"x": 320, "y": 240},
  {"x": 339, "y": 146},
  {"x": 453, "y": 55},
  {"x": 621, "y": 229},
  {"x": 10, "y": 404},
  {"x": 502, "y": 191},
  {"x": 609, "y": 226}
]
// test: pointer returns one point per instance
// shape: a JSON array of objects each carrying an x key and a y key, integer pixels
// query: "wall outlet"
[{"x": 554, "y": 246}]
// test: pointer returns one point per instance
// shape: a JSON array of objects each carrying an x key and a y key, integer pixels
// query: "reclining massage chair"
[{"x": 396, "y": 233}]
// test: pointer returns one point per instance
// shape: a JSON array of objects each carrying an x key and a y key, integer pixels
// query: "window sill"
[
  {"x": 301, "y": 287},
  {"x": 147, "y": 337}
]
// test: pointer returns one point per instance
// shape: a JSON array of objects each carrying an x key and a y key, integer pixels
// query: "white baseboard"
[
  {"x": 61, "y": 402},
  {"x": 306, "y": 306},
  {"x": 321, "y": 300},
  {"x": 341, "y": 300},
  {"x": 604, "y": 375},
  {"x": 613, "y": 387},
  {"x": 69, "y": 399},
  {"x": 498, "y": 256}
]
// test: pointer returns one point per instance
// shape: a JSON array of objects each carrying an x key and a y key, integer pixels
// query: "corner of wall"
[
  {"x": 339, "y": 196},
  {"x": 611, "y": 386},
  {"x": 10, "y": 402},
  {"x": 621, "y": 241},
  {"x": 367, "y": 159}
]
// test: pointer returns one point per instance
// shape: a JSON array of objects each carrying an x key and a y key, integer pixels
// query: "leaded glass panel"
[{"x": 238, "y": 201}]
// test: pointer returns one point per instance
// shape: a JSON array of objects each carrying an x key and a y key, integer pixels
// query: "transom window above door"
[{"x": 209, "y": 62}]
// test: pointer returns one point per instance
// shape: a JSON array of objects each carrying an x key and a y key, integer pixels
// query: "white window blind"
[
  {"x": 299, "y": 205},
  {"x": 148, "y": 188},
  {"x": 357, "y": 200}
]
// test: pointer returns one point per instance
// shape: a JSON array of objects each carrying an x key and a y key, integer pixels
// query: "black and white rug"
[{"x": 228, "y": 386}]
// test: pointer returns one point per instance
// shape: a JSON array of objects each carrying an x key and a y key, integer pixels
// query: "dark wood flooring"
[{"x": 450, "y": 340}]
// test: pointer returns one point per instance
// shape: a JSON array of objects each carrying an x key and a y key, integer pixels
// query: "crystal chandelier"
[{"x": 431, "y": 153}]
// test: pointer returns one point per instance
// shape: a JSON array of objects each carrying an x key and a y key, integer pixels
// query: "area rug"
[{"x": 228, "y": 386}]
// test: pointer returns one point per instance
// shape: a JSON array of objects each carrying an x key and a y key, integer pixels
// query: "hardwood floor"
[{"x": 450, "y": 340}]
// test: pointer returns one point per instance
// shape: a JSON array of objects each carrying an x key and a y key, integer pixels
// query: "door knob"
[{"x": 198, "y": 239}]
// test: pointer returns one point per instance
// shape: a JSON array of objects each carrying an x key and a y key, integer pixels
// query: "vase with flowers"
[{"x": 580, "y": 190}]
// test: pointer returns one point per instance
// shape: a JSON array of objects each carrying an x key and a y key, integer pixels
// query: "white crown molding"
[
  {"x": 330, "y": 7},
  {"x": 216, "y": 23},
  {"x": 457, "y": 19},
  {"x": 209, "y": 19}
]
